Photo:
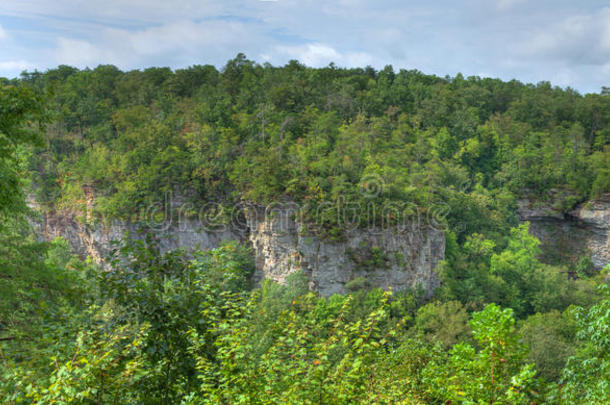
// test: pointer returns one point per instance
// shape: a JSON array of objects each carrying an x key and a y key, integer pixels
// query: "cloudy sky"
[{"x": 566, "y": 42}]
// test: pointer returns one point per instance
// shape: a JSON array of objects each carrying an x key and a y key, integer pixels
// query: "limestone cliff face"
[
  {"x": 94, "y": 240},
  {"x": 585, "y": 230},
  {"x": 89, "y": 238},
  {"x": 385, "y": 258},
  {"x": 396, "y": 258}
]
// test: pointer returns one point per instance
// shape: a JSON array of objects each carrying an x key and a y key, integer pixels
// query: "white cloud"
[
  {"x": 3, "y": 33},
  {"x": 358, "y": 59},
  {"x": 310, "y": 54},
  {"x": 15, "y": 65},
  {"x": 176, "y": 44},
  {"x": 77, "y": 52},
  {"x": 185, "y": 35},
  {"x": 318, "y": 55}
]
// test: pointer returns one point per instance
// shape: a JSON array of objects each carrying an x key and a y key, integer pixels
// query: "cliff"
[
  {"x": 584, "y": 230},
  {"x": 94, "y": 240},
  {"x": 399, "y": 258},
  {"x": 388, "y": 258}
]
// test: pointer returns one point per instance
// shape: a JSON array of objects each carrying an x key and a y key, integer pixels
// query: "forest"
[{"x": 503, "y": 327}]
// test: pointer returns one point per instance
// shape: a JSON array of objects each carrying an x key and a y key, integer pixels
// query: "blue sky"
[{"x": 564, "y": 42}]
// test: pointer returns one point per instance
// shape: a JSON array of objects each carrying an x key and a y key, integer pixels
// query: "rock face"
[
  {"x": 396, "y": 258},
  {"x": 583, "y": 231},
  {"x": 400, "y": 258},
  {"x": 88, "y": 238},
  {"x": 95, "y": 240}
]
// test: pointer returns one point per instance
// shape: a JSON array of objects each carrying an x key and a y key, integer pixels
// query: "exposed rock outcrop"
[
  {"x": 393, "y": 257},
  {"x": 89, "y": 238},
  {"x": 585, "y": 230},
  {"x": 94, "y": 240}
]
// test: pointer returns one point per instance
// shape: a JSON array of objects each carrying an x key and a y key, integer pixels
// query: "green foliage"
[
  {"x": 132, "y": 344},
  {"x": 551, "y": 340},
  {"x": 304, "y": 363},
  {"x": 513, "y": 277},
  {"x": 446, "y": 323},
  {"x": 585, "y": 267},
  {"x": 174, "y": 295},
  {"x": 21, "y": 117},
  {"x": 352, "y": 137},
  {"x": 164, "y": 327},
  {"x": 359, "y": 283},
  {"x": 586, "y": 377},
  {"x": 170, "y": 327},
  {"x": 493, "y": 373}
]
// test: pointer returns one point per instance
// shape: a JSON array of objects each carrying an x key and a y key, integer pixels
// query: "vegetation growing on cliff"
[{"x": 174, "y": 328}]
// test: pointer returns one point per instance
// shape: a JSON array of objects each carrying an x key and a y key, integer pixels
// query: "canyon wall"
[
  {"x": 400, "y": 258},
  {"x": 584, "y": 230},
  {"x": 94, "y": 240},
  {"x": 388, "y": 258}
]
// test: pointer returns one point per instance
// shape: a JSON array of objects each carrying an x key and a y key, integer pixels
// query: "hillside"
[{"x": 349, "y": 236}]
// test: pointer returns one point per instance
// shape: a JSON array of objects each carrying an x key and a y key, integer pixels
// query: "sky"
[{"x": 566, "y": 42}]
